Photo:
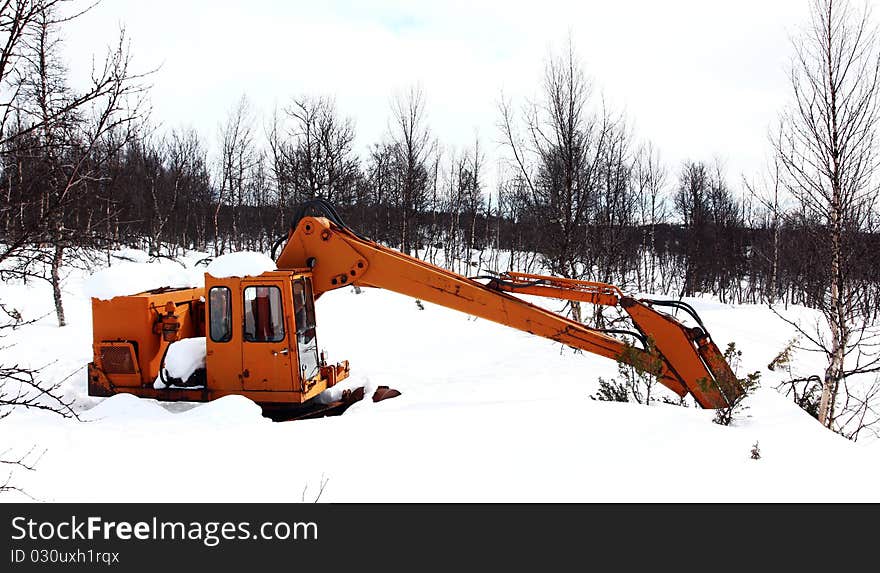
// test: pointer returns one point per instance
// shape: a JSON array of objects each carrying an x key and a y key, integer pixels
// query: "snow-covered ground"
[{"x": 487, "y": 413}]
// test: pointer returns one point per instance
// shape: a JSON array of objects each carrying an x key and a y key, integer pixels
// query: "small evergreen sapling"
[
  {"x": 612, "y": 391},
  {"x": 639, "y": 376}
]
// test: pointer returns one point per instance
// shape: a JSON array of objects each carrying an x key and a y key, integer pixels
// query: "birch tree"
[{"x": 827, "y": 151}]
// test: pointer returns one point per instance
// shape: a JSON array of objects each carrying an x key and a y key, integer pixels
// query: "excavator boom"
[{"x": 686, "y": 359}]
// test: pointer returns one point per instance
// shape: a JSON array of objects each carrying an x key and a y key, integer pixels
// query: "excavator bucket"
[{"x": 688, "y": 352}]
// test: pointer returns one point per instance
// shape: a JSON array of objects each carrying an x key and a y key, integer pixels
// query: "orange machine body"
[{"x": 260, "y": 331}]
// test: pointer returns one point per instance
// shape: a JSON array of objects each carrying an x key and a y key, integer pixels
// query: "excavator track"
[{"x": 336, "y": 408}]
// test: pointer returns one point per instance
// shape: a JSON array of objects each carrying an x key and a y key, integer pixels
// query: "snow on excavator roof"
[
  {"x": 241, "y": 264},
  {"x": 128, "y": 278}
]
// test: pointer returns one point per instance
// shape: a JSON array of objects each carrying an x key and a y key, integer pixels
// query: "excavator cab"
[{"x": 262, "y": 337}]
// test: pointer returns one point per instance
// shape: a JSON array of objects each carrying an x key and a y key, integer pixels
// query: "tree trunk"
[
  {"x": 57, "y": 259},
  {"x": 216, "y": 221},
  {"x": 837, "y": 324}
]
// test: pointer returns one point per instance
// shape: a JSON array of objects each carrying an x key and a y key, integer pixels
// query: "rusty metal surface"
[
  {"x": 118, "y": 358},
  {"x": 384, "y": 393}
]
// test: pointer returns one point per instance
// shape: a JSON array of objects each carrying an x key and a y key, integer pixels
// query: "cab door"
[
  {"x": 267, "y": 357},
  {"x": 306, "y": 338}
]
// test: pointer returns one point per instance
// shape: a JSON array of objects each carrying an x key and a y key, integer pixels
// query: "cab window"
[
  {"x": 263, "y": 314},
  {"x": 220, "y": 310},
  {"x": 304, "y": 311}
]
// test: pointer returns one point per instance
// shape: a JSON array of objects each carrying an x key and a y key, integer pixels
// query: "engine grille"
[{"x": 117, "y": 359}]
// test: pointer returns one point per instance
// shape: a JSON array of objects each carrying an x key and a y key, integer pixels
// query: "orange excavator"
[{"x": 260, "y": 339}]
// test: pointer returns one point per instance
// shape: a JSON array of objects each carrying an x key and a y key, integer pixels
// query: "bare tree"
[
  {"x": 827, "y": 150},
  {"x": 59, "y": 138},
  {"x": 19, "y": 21},
  {"x": 321, "y": 144},
  {"x": 768, "y": 192},
  {"x": 557, "y": 162},
  {"x": 238, "y": 156},
  {"x": 650, "y": 180},
  {"x": 177, "y": 173},
  {"x": 412, "y": 147},
  {"x": 281, "y": 167},
  {"x": 71, "y": 140},
  {"x": 55, "y": 140}
]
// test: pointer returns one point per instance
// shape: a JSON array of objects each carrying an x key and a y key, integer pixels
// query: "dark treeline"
[
  {"x": 635, "y": 227},
  {"x": 689, "y": 235}
]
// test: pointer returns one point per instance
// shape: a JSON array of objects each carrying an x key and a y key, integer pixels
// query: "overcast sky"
[{"x": 701, "y": 79}]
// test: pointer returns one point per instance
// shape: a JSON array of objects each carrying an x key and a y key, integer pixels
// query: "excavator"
[{"x": 260, "y": 331}]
